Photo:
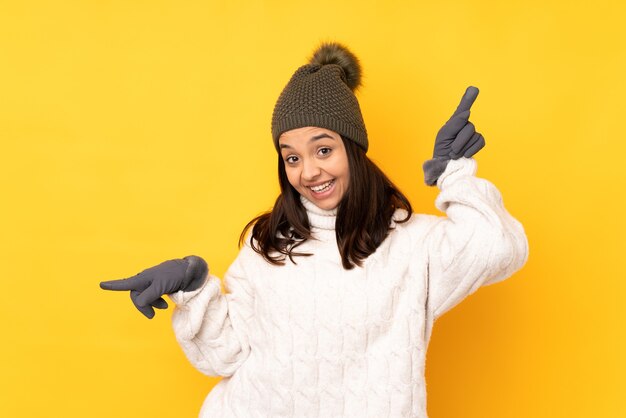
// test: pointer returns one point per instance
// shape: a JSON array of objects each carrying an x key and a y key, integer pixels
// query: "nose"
[{"x": 310, "y": 169}]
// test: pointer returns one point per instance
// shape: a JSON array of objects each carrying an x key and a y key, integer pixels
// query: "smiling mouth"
[{"x": 323, "y": 187}]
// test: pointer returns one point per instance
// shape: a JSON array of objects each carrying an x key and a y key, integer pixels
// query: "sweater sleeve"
[
  {"x": 478, "y": 243},
  {"x": 210, "y": 326}
]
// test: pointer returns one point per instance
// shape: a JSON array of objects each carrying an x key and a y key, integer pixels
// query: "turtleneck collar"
[{"x": 319, "y": 218}]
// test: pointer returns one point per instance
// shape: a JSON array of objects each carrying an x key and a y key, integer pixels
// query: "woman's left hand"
[{"x": 458, "y": 138}]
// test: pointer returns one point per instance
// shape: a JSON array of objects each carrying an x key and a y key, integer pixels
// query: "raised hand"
[
  {"x": 457, "y": 137},
  {"x": 148, "y": 287}
]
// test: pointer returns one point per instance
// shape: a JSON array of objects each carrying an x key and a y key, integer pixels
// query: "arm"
[
  {"x": 210, "y": 326},
  {"x": 478, "y": 243}
]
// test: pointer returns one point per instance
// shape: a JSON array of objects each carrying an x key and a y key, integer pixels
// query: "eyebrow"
[{"x": 315, "y": 138}]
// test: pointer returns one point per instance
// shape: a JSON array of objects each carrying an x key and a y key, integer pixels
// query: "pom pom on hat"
[{"x": 336, "y": 53}]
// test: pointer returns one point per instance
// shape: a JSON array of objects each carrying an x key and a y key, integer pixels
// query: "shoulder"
[
  {"x": 402, "y": 220},
  {"x": 414, "y": 229},
  {"x": 247, "y": 250},
  {"x": 247, "y": 258}
]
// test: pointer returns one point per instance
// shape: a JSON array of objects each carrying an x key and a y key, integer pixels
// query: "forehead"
[{"x": 306, "y": 133}]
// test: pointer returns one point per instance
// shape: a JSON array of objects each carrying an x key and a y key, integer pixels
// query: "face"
[{"x": 316, "y": 164}]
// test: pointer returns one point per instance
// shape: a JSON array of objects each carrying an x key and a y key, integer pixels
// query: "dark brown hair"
[{"x": 363, "y": 215}]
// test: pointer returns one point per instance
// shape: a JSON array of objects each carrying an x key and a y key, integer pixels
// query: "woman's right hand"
[{"x": 148, "y": 287}]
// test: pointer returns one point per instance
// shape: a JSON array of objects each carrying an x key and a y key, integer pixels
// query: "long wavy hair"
[{"x": 363, "y": 215}]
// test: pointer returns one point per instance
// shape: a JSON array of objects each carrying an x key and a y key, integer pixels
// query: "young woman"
[{"x": 332, "y": 298}]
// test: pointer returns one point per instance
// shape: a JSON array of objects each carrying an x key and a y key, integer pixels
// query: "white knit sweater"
[{"x": 314, "y": 340}]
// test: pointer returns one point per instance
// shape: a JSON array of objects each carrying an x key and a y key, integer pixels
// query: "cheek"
[
  {"x": 293, "y": 177},
  {"x": 344, "y": 171},
  {"x": 346, "y": 182}
]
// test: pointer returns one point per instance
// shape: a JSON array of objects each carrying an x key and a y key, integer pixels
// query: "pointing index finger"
[
  {"x": 467, "y": 101},
  {"x": 132, "y": 283}
]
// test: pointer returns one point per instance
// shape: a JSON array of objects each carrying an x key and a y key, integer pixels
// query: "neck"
[{"x": 319, "y": 218}]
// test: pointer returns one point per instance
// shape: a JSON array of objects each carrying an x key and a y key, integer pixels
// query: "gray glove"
[
  {"x": 148, "y": 287},
  {"x": 457, "y": 138}
]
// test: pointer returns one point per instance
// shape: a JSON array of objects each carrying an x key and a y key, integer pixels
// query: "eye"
[
  {"x": 292, "y": 159},
  {"x": 325, "y": 150}
]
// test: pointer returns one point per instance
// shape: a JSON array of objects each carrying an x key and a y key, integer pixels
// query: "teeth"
[{"x": 322, "y": 187}]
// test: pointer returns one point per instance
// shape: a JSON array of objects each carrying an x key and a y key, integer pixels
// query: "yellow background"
[{"x": 138, "y": 131}]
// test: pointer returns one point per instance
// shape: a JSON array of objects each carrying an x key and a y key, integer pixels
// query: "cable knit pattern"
[{"x": 314, "y": 340}]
